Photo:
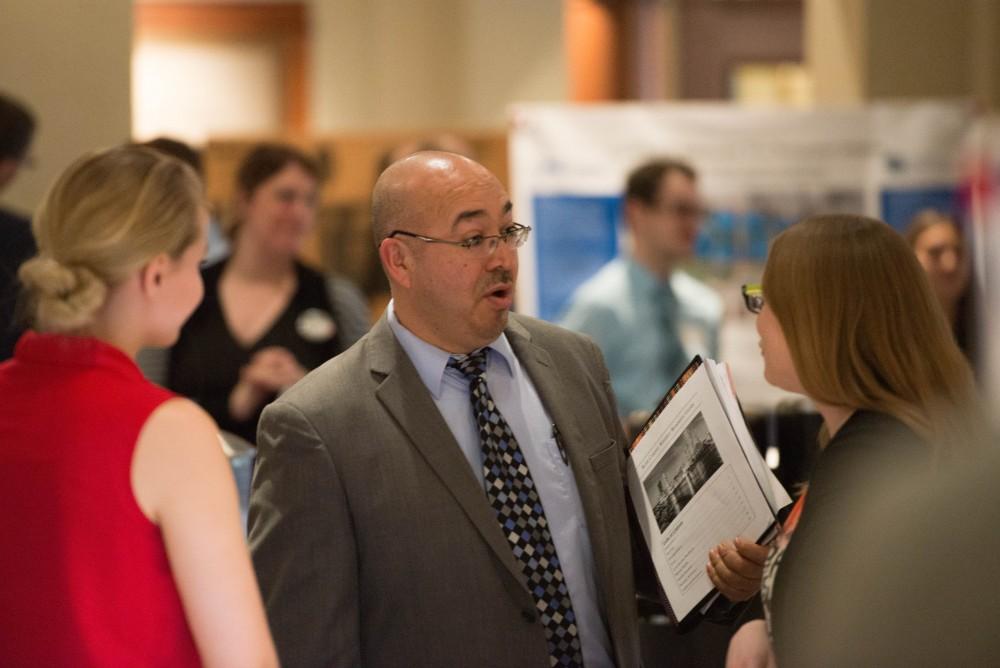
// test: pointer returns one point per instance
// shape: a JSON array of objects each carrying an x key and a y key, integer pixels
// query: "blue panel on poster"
[
  {"x": 574, "y": 237},
  {"x": 715, "y": 239},
  {"x": 728, "y": 236},
  {"x": 900, "y": 205}
]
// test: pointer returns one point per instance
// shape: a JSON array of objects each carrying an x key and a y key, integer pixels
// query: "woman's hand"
[
  {"x": 750, "y": 647},
  {"x": 735, "y": 568},
  {"x": 269, "y": 371}
]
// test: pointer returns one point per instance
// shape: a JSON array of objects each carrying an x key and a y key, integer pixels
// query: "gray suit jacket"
[{"x": 373, "y": 541}]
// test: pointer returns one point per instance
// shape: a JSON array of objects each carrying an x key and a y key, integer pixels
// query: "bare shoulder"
[
  {"x": 178, "y": 417},
  {"x": 177, "y": 447}
]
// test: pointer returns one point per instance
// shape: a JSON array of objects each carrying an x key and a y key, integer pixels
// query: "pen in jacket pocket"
[{"x": 559, "y": 444}]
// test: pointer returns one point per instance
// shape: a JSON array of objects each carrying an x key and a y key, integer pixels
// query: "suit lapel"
[{"x": 406, "y": 398}]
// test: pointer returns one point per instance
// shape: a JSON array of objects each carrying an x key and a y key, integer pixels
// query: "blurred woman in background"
[
  {"x": 266, "y": 318},
  {"x": 937, "y": 241},
  {"x": 847, "y": 317},
  {"x": 120, "y": 516}
]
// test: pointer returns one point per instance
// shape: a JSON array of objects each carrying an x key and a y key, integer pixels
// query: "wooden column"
[{"x": 595, "y": 49}]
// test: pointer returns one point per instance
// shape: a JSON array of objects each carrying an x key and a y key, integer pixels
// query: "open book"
[{"x": 696, "y": 479}]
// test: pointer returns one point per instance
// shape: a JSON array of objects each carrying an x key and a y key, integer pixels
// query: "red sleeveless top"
[{"x": 84, "y": 576}]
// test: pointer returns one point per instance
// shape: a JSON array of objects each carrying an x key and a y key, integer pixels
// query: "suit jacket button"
[{"x": 529, "y": 615}]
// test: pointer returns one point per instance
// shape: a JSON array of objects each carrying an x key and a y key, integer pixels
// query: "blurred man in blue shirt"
[{"x": 648, "y": 317}]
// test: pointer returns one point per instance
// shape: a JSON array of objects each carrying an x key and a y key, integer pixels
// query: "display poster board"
[{"x": 759, "y": 171}]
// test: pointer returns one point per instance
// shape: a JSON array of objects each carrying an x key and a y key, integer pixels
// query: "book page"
[
  {"x": 777, "y": 497},
  {"x": 692, "y": 488}
]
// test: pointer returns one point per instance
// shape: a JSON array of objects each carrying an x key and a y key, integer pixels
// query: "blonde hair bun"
[
  {"x": 106, "y": 216},
  {"x": 65, "y": 297}
]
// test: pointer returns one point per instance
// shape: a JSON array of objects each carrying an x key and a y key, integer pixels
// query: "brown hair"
[
  {"x": 261, "y": 163},
  {"x": 865, "y": 330},
  {"x": 17, "y": 126},
  {"x": 925, "y": 219},
  {"x": 108, "y": 214},
  {"x": 643, "y": 182}
]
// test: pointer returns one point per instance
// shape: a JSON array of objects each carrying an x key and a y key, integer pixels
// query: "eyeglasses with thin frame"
[
  {"x": 753, "y": 297},
  {"x": 683, "y": 210},
  {"x": 479, "y": 244}
]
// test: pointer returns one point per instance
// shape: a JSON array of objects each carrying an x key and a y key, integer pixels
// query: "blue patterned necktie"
[{"x": 511, "y": 491}]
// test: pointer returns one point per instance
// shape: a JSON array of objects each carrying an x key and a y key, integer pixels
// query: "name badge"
[{"x": 315, "y": 325}]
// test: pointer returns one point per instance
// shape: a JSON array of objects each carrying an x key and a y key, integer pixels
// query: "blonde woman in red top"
[{"x": 120, "y": 516}]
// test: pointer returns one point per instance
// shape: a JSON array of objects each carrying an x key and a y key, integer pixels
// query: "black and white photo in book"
[{"x": 688, "y": 464}]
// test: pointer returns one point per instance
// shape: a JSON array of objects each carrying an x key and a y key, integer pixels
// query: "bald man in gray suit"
[{"x": 377, "y": 533}]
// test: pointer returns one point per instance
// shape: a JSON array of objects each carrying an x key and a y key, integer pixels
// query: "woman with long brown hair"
[{"x": 847, "y": 317}]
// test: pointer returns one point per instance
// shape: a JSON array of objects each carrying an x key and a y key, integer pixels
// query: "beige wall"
[
  {"x": 390, "y": 64},
  {"x": 374, "y": 64},
  {"x": 512, "y": 51},
  {"x": 238, "y": 89},
  {"x": 919, "y": 48},
  {"x": 881, "y": 49},
  {"x": 984, "y": 46},
  {"x": 69, "y": 61}
]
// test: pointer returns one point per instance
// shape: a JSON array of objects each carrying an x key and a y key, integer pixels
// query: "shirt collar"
[{"x": 431, "y": 362}]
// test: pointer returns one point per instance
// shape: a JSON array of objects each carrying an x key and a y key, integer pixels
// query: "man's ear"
[
  {"x": 397, "y": 261},
  {"x": 635, "y": 212},
  {"x": 151, "y": 276}
]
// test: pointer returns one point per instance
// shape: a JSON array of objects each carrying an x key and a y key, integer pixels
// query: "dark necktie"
[
  {"x": 511, "y": 491},
  {"x": 673, "y": 356}
]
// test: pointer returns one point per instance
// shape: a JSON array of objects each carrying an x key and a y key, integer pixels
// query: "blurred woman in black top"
[{"x": 266, "y": 318}]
